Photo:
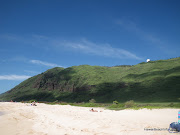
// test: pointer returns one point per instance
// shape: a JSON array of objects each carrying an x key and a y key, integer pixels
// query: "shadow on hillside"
[
  {"x": 163, "y": 90},
  {"x": 50, "y": 81},
  {"x": 108, "y": 92},
  {"x": 39, "y": 96},
  {"x": 154, "y": 90},
  {"x": 153, "y": 73}
]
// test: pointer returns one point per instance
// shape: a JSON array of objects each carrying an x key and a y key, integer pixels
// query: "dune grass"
[{"x": 126, "y": 105}]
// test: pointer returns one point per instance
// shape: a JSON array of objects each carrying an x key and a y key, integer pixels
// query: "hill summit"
[{"x": 155, "y": 81}]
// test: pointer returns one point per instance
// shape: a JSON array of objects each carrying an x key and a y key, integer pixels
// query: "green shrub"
[
  {"x": 129, "y": 104},
  {"x": 116, "y": 106},
  {"x": 177, "y": 105},
  {"x": 56, "y": 101},
  {"x": 89, "y": 105},
  {"x": 92, "y": 101},
  {"x": 115, "y": 102},
  {"x": 171, "y": 105},
  {"x": 32, "y": 100},
  {"x": 63, "y": 103}
]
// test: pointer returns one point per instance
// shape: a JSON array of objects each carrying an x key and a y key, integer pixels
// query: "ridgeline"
[{"x": 155, "y": 81}]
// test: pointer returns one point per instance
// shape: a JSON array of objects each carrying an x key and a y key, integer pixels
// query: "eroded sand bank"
[{"x": 23, "y": 119}]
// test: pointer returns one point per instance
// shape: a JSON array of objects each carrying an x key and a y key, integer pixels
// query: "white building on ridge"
[{"x": 148, "y": 60}]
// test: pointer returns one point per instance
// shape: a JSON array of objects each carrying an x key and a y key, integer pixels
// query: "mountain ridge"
[{"x": 155, "y": 81}]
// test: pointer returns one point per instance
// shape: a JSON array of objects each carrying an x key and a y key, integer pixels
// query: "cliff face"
[
  {"x": 61, "y": 81},
  {"x": 152, "y": 81}
]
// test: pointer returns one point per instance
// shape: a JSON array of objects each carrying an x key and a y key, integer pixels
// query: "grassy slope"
[{"x": 156, "y": 81}]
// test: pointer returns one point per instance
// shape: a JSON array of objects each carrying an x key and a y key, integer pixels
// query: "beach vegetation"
[
  {"x": 122, "y": 106},
  {"x": 92, "y": 101},
  {"x": 32, "y": 100},
  {"x": 129, "y": 104},
  {"x": 115, "y": 102}
]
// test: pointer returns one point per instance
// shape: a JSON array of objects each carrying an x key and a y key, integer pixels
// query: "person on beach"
[
  {"x": 34, "y": 103},
  {"x": 92, "y": 110}
]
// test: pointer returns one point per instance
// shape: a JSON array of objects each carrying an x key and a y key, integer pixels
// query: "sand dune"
[{"x": 23, "y": 119}]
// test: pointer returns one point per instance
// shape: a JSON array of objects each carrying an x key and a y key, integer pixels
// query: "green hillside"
[{"x": 155, "y": 81}]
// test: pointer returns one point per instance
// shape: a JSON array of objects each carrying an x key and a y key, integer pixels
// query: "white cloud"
[
  {"x": 82, "y": 46},
  {"x": 85, "y": 46},
  {"x": 32, "y": 72},
  {"x": 42, "y": 37},
  {"x": 148, "y": 37},
  {"x": 10, "y": 37},
  {"x": 14, "y": 77},
  {"x": 133, "y": 27},
  {"x": 44, "y": 63}
]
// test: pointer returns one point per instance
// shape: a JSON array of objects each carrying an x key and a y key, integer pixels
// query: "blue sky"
[{"x": 36, "y": 35}]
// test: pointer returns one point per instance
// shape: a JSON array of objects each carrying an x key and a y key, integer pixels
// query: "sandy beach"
[{"x": 43, "y": 119}]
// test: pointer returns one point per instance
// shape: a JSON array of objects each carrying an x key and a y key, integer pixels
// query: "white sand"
[{"x": 23, "y": 119}]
